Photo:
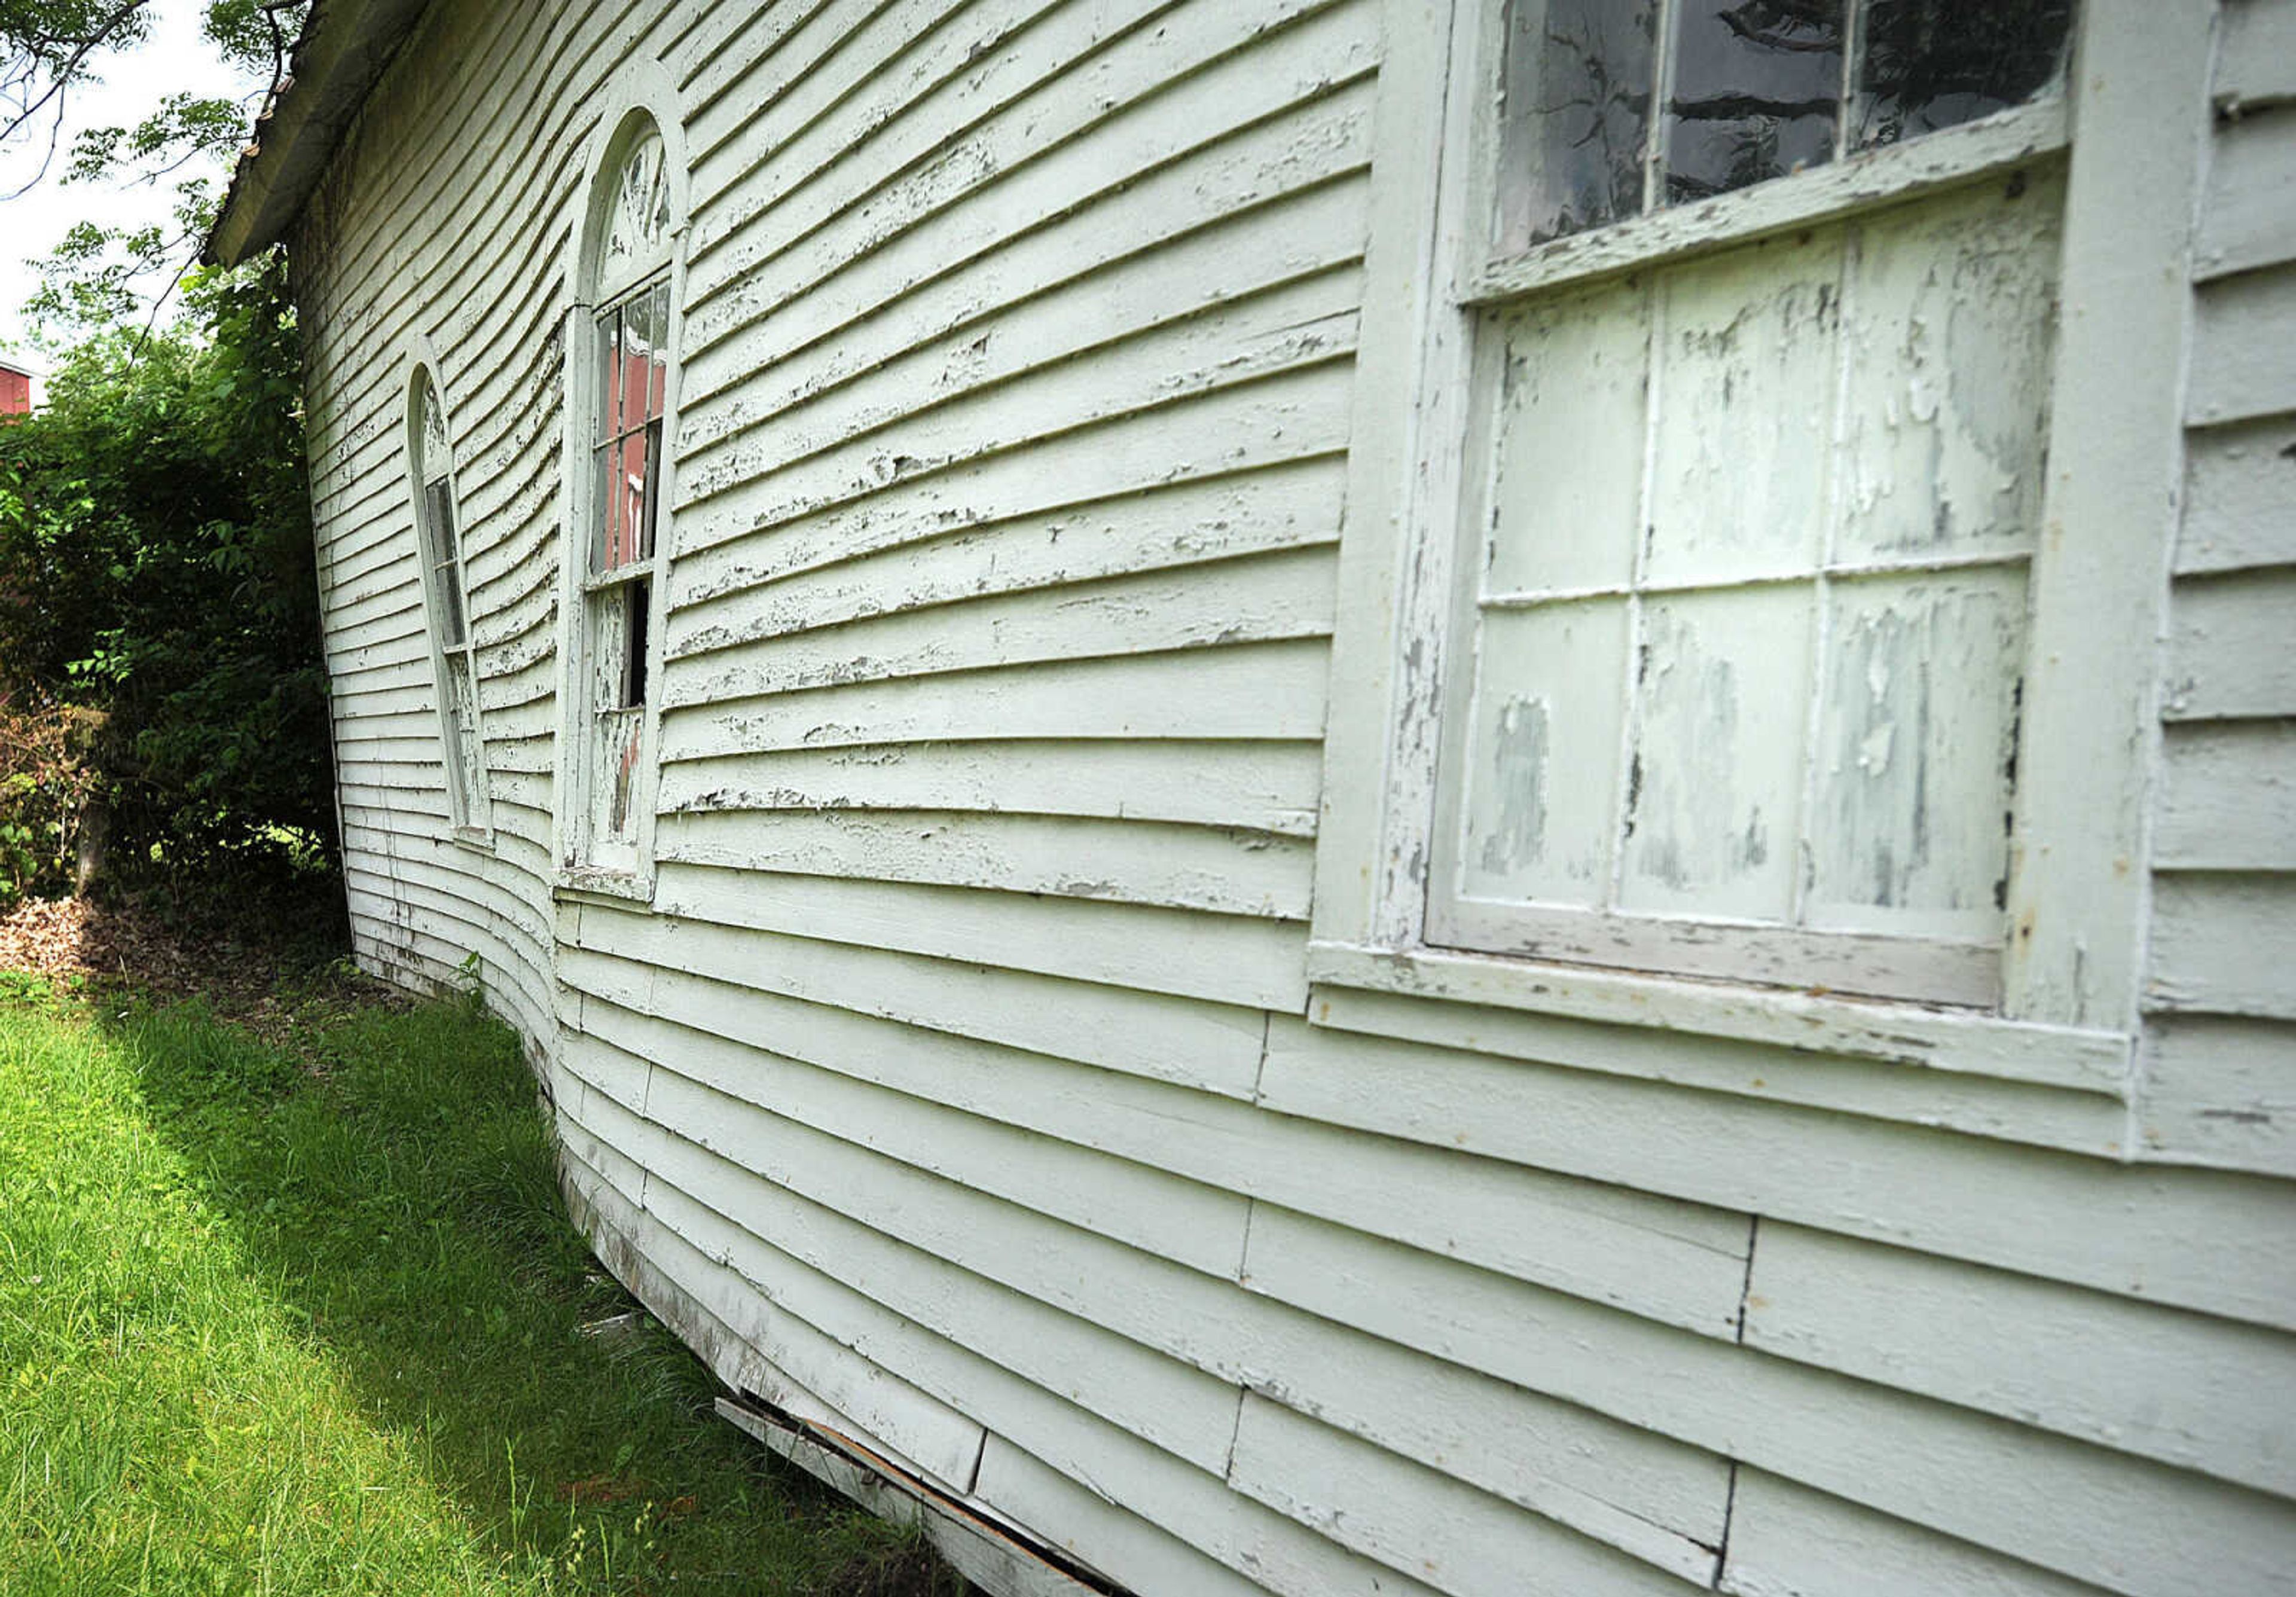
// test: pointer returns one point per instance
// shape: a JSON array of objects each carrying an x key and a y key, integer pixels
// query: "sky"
[{"x": 175, "y": 58}]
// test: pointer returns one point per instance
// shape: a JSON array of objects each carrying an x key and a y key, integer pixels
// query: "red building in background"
[{"x": 15, "y": 390}]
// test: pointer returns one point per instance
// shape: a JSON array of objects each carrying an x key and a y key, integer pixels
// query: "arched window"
[
  {"x": 620, "y": 370},
  {"x": 431, "y": 471}
]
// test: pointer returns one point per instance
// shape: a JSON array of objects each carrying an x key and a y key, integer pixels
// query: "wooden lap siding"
[{"x": 954, "y": 1089}]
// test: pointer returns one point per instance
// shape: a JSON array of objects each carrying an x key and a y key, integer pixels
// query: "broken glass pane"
[
  {"x": 1577, "y": 116},
  {"x": 1928, "y": 64},
  {"x": 1757, "y": 90}
]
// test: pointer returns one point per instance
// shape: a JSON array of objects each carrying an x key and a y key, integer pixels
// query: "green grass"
[{"x": 307, "y": 1324}]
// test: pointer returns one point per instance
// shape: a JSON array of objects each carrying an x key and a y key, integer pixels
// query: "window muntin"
[
  {"x": 626, "y": 272},
  {"x": 439, "y": 537},
  {"x": 1734, "y": 679},
  {"x": 1745, "y": 90}
]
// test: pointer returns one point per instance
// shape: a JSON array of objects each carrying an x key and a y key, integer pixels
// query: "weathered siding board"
[
  {"x": 2224, "y": 943},
  {"x": 1908, "y": 1091},
  {"x": 1272, "y": 596},
  {"x": 2217, "y": 1243},
  {"x": 2173, "y": 1386},
  {"x": 1348, "y": 1379},
  {"x": 2256, "y": 55},
  {"x": 2241, "y": 328},
  {"x": 1411, "y": 1518},
  {"x": 954, "y": 1089},
  {"x": 2138, "y": 1527},
  {"x": 2221, "y": 1090},
  {"x": 1086, "y": 1525},
  {"x": 1262, "y": 787},
  {"x": 2248, "y": 214},
  {"x": 1788, "y": 1540},
  {"x": 1670, "y": 1261},
  {"x": 2229, "y": 797},
  {"x": 2228, "y": 654},
  {"x": 1223, "y": 871},
  {"x": 1205, "y": 1047}
]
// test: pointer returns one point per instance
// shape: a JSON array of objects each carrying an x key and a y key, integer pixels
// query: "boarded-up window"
[
  {"x": 439, "y": 534},
  {"x": 1743, "y": 612}
]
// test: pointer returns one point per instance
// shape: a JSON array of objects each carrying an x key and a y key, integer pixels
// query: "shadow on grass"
[{"x": 389, "y": 1184}]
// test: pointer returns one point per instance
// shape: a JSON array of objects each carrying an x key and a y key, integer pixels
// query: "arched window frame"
[
  {"x": 446, "y": 595},
  {"x": 611, "y": 626}
]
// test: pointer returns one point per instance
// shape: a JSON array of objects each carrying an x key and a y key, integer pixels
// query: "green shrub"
[
  {"x": 156, "y": 571},
  {"x": 48, "y": 786}
]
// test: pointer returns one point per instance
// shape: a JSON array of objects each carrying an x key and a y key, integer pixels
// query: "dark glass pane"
[
  {"x": 1576, "y": 117},
  {"x": 437, "y": 534},
  {"x": 649, "y": 510},
  {"x": 1932, "y": 63},
  {"x": 634, "y": 668},
  {"x": 438, "y": 521},
  {"x": 1757, "y": 92}
]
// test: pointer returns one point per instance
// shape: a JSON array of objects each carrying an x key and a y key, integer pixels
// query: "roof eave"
[{"x": 344, "y": 47}]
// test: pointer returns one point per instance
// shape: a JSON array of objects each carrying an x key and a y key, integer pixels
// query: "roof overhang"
[{"x": 344, "y": 47}]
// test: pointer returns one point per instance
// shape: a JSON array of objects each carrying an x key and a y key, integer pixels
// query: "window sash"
[
  {"x": 1953, "y": 969},
  {"x": 462, "y": 737},
  {"x": 1825, "y": 71}
]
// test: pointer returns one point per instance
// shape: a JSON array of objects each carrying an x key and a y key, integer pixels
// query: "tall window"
[
  {"x": 1752, "y": 483},
  {"x": 622, "y": 384},
  {"x": 430, "y": 459}
]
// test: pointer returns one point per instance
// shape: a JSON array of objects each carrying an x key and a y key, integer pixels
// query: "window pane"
[
  {"x": 614, "y": 780},
  {"x": 438, "y": 521},
  {"x": 1722, "y": 681},
  {"x": 438, "y": 455},
  {"x": 1757, "y": 89},
  {"x": 1542, "y": 778},
  {"x": 462, "y": 724},
  {"x": 637, "y": 219},
  {"x": 1744, "y": 388},
  {"x": 1932, "y": 63},
  {"x": 610, "y": 641},
  {"x": 601, "y": 535},
  {"x": 626, "y": 492},
  {"x": 1951, "y": 308},
  {"x": 1568, "y": 436},
  {"x": 431, "y": 516},
  {"x": 609, "y": 373},
  {"x": 646, "y": 506},
  {"x": 645, "y": 355},
  {"x": 634, "y": 645},
  {"x": 1909, "y": 828},
  {"x": 1578, "y": 75}
]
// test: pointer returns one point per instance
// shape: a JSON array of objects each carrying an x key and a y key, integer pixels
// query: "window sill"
[
  {"x": 2027, "y": 1053},
  {"x": 592, "y": 885}
]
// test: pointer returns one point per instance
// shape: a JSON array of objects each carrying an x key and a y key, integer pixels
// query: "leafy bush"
[
  {"x": 46, "y": 784},
  {"x": 156, "y": 570}
]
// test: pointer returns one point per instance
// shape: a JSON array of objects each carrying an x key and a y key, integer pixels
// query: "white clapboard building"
[{"x": 1332, "y": 797}]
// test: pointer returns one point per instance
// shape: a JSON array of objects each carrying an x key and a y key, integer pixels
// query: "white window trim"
[
  {"x": 470, "y": 831},
  {"x": 643, "y": 89},
  {"x": 2137, "y": 111}
]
